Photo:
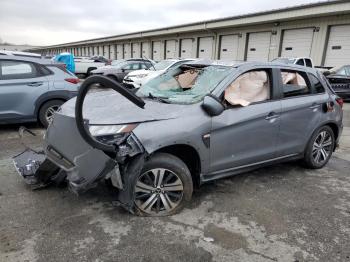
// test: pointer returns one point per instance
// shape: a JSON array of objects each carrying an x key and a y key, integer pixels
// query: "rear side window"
[
  {"x": 145, "y": 65},
  {"x": 300, "y": 62},
  {"x": 295, "y": 83},
  {"x": 308, "y": 63},
  {"x": 18, "y": 70},
  {"x": 318, "y": 87}
]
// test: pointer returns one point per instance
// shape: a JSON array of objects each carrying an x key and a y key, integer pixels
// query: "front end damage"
[{"x": 67, "y": 156}]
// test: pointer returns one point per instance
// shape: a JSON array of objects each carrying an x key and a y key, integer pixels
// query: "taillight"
[
  {"x": 340, "y": 101},
  {"x": 72, "y": 80}
]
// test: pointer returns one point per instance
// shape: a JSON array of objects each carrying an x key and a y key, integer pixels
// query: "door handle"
[
  {"x": 271, "y": 115},
  {"x": 35, "y": 84},
  {"x": 314, "y": 106}
]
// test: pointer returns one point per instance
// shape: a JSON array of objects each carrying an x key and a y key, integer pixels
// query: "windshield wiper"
[{"x": 158, "y": 98}]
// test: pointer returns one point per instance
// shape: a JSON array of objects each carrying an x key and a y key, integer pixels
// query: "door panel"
[
  {"x": 18, "y": 96},
  {"x": 244, "y": 135},
  {"x": 206, "y": 45},
  {"x": 297, "y": 42},
  {"x": 157, "y": 56},
  {"x": 136, "y": 50},
  {"x": 171, "y": 49},
  {"x": 186, "y": 48},
  {"x": 338, "y": 49},
  {"x": 300, "y": 116}
]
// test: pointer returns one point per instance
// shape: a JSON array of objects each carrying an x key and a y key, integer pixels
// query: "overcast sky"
[{"x": 48, "y": 22}]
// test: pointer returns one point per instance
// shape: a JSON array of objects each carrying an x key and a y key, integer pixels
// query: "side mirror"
[
  {"x": 212, "y": 105},
  {"x": 123, "y": 70}
]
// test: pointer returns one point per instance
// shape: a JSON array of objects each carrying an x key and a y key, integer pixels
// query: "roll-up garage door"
[
  {"x": 112, "y": 52},
  {"x": 127, "y": 51},
  {"x": 205, "y": 47},
  {"x": 106, "y": 51},
  {"x": 95, "y": 50},
  {"x": 156, "y": 49},
  {"x": 100, "y": 50},
  {"x": 145, "y": 47},
  {"x": 297, "y": 42},
  {"x": 228, "y": 47},
  {"x": 171, "y": 49},
  {"x": 186, "y": 48},
  {"x": 259, "y": 46},
  {"x": 338, "y": 49},
  {"x": 136, "y": 50},
  {"x": 119, "y": 51}
]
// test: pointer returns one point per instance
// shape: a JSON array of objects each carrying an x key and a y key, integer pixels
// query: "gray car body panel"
[
  {"x": 21, "y": 99},
  {"x": 234, "y": 144}
]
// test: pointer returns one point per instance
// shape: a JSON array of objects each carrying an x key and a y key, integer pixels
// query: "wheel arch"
[
  {"x": 333, "y": 125},
  {"x": 189, "y": 155}
]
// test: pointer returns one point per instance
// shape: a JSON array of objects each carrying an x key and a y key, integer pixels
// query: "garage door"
[
  {"x": 156, "y": 48},
  {"x": 127, "y": 51},
  {"x": 119, "y": 51},
  {"x": 297, "y": 42},
  {"x": 205, "y": 47},
  {"x": 186, "y": 48},
  {"x": 171, "y": 49},
  {"x": 338, "y": 49},
  {"x": 228, "y": 47},
  {"x": 259, "y": 46},
  {"x": 106, "y": 51},
  {"x": 95, "y": 50},
  {"x": 112, "y": 52},
  {"x": 136, "y": 50},
  {"x": 146, "y": 48},
  {"x": 100, "y": 50}
]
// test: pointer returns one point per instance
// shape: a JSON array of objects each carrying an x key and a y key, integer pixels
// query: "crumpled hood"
[{"x": 109, "y": 107}]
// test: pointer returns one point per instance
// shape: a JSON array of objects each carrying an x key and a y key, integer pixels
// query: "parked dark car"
[
  {"x": 32, "y": 89},
  {"x": 119, "y": 71},
  {"x": 199, "y": 122},
  {"x": 340, "y": 80}
]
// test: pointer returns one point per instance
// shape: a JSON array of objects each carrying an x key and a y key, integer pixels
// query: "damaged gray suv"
[{"x": 200, "y": 122}]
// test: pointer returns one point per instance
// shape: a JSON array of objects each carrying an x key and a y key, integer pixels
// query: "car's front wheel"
[
  {"x": 320, "y": 148},
  {"x": 163, "y": 187}
]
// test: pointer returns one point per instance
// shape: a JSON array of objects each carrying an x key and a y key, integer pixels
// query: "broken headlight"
[{"x": 111, "y": 134}]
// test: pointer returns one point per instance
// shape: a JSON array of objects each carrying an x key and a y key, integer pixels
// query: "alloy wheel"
[
  {"x": 158, "y": 191},
  {"x": 322, "y": 147},
  {"x": 50, "y": 112}
]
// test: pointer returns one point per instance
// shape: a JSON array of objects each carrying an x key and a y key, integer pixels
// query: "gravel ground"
[{"x": 279, "y": 213}]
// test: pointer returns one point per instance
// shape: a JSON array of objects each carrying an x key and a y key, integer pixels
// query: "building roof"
[{"x": 317, "y": 9}]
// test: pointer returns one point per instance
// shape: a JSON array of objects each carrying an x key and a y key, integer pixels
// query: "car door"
[
  {"x": 21, "y": 83},
  {"x": 245, "y": 135},
  {"x": 301, "y": 110}
]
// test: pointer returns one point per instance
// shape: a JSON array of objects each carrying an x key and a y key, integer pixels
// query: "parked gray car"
[
  {"x": 118, "y": 71},
  {"x": 200, "y": 122},
  {"x": 32, "y": 89}
]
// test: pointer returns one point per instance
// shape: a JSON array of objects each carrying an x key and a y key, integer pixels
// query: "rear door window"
[
  {"x": 18, "y": 70},
  {"x": 295, "y": 83},
  {"x": 300, "y": 62},
  {"x": 308, "y": 62}
]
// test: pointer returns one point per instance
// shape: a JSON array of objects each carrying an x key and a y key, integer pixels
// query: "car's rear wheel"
[
  {"x": 163, "y": 187},
  {"x": 320, "y": 148},
  {"x": 48, "y": 110}
]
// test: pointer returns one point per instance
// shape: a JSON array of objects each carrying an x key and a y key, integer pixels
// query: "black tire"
[
  {"x": 81, "y": 76},
  {"x": 177, "y": 167},
  {"x": 311, "y": 152},
  {"x": 43, "y": 112}
]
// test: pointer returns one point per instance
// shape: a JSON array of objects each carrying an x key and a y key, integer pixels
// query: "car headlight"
[
  {"x": 106, "y": 130},
  {"x": 141, "y": 76}
]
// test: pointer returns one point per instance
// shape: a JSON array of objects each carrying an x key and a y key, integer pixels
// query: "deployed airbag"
[{"x": 248, "y": 88}]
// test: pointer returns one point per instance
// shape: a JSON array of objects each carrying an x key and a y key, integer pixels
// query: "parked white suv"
[
  {"x": 138, "y": 78},
  {"x": 84, "y": 66}
]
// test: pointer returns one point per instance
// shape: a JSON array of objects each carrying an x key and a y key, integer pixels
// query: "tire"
[
  {"x": 47, "y": 110},
  {"x": 81, "y": 76},
  {"x": 319, "y": 149},
  {"x": 174, "y": 190}
]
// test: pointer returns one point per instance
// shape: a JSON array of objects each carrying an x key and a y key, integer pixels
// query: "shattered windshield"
[
  {"x": 186, "y": 84},
  {"x": 162, "y": 65}
]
